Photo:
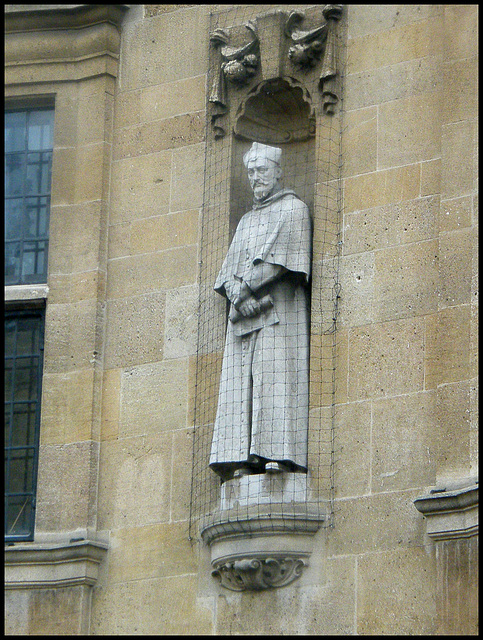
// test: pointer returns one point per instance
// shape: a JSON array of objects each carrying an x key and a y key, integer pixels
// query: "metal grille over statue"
[
  {"x": 263, "y": 408},
  {"x": 263, "y": 448}
]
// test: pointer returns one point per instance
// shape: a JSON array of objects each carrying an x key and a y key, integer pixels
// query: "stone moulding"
[
  {"x": 70, "y": 42},
  {"x": 451, "y": 511},
  {"x": 47, "y": 566},
  {"x": 257, "y": 573}
]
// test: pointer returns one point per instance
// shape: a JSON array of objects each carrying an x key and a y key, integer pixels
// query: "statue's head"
[{"x": 264, "y": 170}]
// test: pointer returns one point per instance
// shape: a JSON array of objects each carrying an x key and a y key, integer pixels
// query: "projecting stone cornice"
[
  {"x": 451, "y": 511},
  {"x": 39, "y": 17},
  {"x": 50, "y": 43},
  {"x": 46, "y": 565}
]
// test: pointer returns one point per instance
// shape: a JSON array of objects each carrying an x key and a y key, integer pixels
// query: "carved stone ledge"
[
  {"x": 258, "y": 572},
  {"x": 451, "y": 511},
  {"x": 261, "y": 535},
  {"x": 46, "y": 565}
]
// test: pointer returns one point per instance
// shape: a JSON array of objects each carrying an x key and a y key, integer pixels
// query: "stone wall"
[{"x": 119, "y": 381}]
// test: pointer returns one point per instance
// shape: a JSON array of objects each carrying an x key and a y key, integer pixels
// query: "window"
[
  {"x": 28, "y": 168},
  {"x": 23, "y": 378}
]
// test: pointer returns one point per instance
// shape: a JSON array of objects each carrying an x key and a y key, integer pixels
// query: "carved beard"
[{"x": 262, "y": 190}]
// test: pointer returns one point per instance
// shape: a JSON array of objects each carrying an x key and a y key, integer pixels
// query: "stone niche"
[{"x": 272, "y": 78}]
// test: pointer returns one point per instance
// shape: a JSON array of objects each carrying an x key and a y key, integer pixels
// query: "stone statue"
[{"x": 261, "y": 424}]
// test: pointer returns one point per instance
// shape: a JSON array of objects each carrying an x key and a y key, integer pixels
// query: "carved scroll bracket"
[
  {"x": 258, "y": 572},
  {"x": 265, "y": 55},
  {"x": 236, "y": 65},
  {"x": 309, "y": 46}
]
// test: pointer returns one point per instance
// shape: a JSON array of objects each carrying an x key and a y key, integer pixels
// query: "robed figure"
[{"x": 262, "y": 417}]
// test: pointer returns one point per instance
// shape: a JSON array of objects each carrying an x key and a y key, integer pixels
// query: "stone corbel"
[
  {"x": 311, "y": 45},
  {"x": 257, "y": 573},
  {"x": 236, "y": 65}
]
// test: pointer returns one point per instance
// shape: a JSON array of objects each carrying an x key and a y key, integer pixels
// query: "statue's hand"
[{"x": 249, "y": 307}]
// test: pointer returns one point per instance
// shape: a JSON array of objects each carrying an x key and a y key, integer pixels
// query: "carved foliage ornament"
[
  {"x": 257, "y": 574},
  {"x": 238, "y": 65}
]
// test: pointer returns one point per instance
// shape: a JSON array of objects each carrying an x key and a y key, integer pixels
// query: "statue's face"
[{"x": 263, "y": 175}]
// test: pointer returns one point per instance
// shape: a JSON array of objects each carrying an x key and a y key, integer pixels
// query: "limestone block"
[
  {"x": 74, "y": 237},
  {"x": 357, "y": 280},
  {"x": 359, "y": 141},
  {"x": 172, "y": 98},
  {"x": 154, "y": 136},
  {"x": 430, "y": 177},
  {"x": 375, "y": 523},
  {"x": 402, "y": 42},
  {"x": 92, "y": 166},
  {"x": 393, "y": 82},
  {"x": 165, "y": 48},
  {"x": 151, "y": 551},
  {"x": 131, "y": 276},
  {"x": 452, "y": 445},
  {"x": 352, "y": 447},
  {"x": 386, "y": 359},
  {"x": 67, "y": 406},
  {"x": 457, "y": 587},
  {"x": 181, "y": 322},
  {"x": 396, "y": 592},
  {"x": 47, "y": 611},
  {"x": 95, "y": 97},
  {"x": 463, "y": 41},
  {"x": 127, "y": 111},
  {"x": 111, "y": 401},
  {"x": 140, "y": 187},
  {"x": 66, "y": 115},
  {"x": 459, "y": 157},
  {"x": 134, "y": 481},
  {"x": 461, "y": 89},
  {"x": 371, "y": 20},
  {"x": 409, "y": 130},
  {"x": 406, "y": 280},
  {"x": 64, "y": 486},
  {"x": 413, "y": 220},
  {"x": 447, "y": 354},
  {"x": 154, "y": 398},
  {"x": 456, "y": 213},
  {"x": 182, "y": 466},
  {"x": 456, "y": 268},
  {"x": 188, "y": 177},
  {"x": 70, "y": 336},
  {"x": 328, "y": 356},
  {"x": 160, "y": 233},
  {"x": 119, "y": 240},
  {"x": 127, "y": 608},
  {"x": 204, "y": 379},
  {"x": 381, "y": 188},
  {"x": 17, "y": 603},
  {"x": 405, "y": 436},
  {"x": 64, "y": 169},
  {"x": 74, "y": 287},
  {"x": 134, "y": 332}
]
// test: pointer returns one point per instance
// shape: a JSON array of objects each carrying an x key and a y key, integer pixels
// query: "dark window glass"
[
  {"x": 28, "y": 177},
  {"x": 23, "y": 377}
]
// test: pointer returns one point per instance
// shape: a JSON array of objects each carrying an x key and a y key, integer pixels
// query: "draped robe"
[{"x": 263, "y": 402}]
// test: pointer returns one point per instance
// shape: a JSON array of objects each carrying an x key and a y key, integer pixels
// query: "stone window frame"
[{"x": 38, "y": 277}]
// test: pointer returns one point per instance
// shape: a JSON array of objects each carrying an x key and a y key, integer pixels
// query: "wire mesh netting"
[{"x": 264, "y": 408}]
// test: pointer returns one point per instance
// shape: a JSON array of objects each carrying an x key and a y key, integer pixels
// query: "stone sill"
[
  {"x": 48, "y": 565},
  {"x": 26, "y": 292},
  {"x": 451, "y": 512}
]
